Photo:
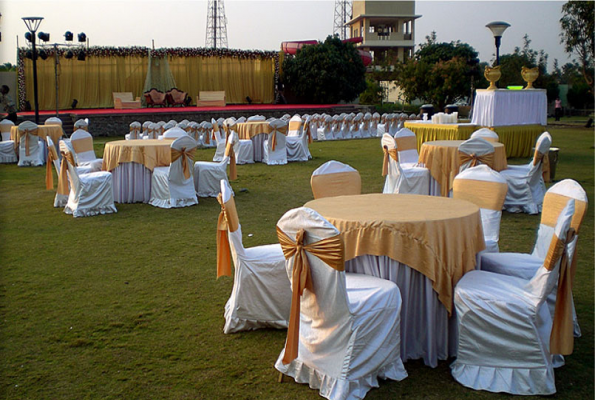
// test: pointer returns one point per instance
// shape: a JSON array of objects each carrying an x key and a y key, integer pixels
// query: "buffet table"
[
  {"x": 424, "y": 244},
  {"x": 426, "y": 131},
  {"x": 503, "y": 107}
]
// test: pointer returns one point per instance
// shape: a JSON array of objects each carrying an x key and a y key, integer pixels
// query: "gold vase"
[
  {"x": 529, "y": 76},
  {"x": 492, "y": 74}
]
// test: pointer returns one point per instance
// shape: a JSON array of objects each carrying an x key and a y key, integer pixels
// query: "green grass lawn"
[{"x": 127, "y": 306}]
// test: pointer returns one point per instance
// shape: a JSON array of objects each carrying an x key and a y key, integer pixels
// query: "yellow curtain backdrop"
[
  {"x": 90, "y": 82},
  {"x": 238, "y": 77}
]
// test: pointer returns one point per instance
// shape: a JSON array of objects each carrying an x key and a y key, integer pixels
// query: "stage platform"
[{"x": 112, "y": 122}]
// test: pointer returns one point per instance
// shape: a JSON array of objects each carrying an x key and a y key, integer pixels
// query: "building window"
[{"x": 371, "y": 29}]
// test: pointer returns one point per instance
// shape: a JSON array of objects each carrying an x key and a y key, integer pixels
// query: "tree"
[
  {"x": 326, "y": 72},
  {"x": 439, "y": 73},
  {"x": 577, "y": 24}
]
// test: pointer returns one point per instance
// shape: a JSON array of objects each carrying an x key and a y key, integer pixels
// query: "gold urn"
[
  {"x": 492, "y": 74},
  {"x": 529, "y": 76}
]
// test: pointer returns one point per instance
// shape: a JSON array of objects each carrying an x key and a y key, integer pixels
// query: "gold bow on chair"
[
  {"x": 487, "y": 159},
  {"x": 330, "y": 251},
  {"x": 545, "y": 164},
  {"x": 233, "y": 173},
  {"x": 562, "y": 336},
  {"x": 176, "y": 154},
  {"x": 392, "y": 153},
  {"x": 228, "y": 220},
  {"x": 136, "y": 131},
  {"x": 308, "y": 131},
  {"x": 274, "y": 132},
  {"x": 26, "y": 133},
  {"x": 67, "y": 157},
  {"x": 49, "y": 177}
]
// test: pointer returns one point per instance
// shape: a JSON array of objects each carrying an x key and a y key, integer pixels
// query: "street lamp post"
[
  {"x": 497, "y": 28},
  {"x": 32, "y": 24}
]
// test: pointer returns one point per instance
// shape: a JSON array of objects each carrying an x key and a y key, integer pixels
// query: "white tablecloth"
[{"x": 503, "y": 107}]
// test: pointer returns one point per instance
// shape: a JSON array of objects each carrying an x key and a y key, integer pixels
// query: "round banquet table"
[
  {"x": 257, "y": 131},
  {"x": 131, "y": 163},
  {"x": 441, "y": 157},
  {"x": 424, "y": 244}
]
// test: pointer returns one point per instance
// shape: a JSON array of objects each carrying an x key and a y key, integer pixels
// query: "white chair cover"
[
  {"x": 413, "y": 180},
  {"x": 261, "y": 294},
  {"x": 485, "y": 188},
  {"x": 349, "y": 324},
  {"x": 366, "y": 126},
  {"x": 90, "y": 194},
  {"x": 333, "y": 178},
  {"x": 346, "y": 127},
  {"x": 170, "y": 188},
  {"x": 504, "y": 327},
  {"x": 145, "y": 131},
  {"x": 173, "y": 133},
  {"x": 244, "y": 148},
  {"x": 407, "y": 147},
  {"x": 526, "y": 187},
  {"x": 355, "y": 128},
  {"x": 8, "y": 152},
  {"x": 221, "y": 138},
  {"x": 477, "y": 147},
  {"x": 82, "y": 144},
  {"x": 208, "y": 175},
  {"x": 53, "y": 121},
  {"x": 324, "y": 131},
  {"x": 134, "y": 131},
  {"x": 256, "y": 118},
  {"x": 485, "y": 133},
  {"x": 82, "y": 124},
  {"x": 297, "y": 146},
  {"x": 295, "y": 126},
  {"x": 374, "y": 125},
  {"x": 35, "y": 156},
  {"x": 278, "y": 155},
  {"x": 522, "y": 265}
]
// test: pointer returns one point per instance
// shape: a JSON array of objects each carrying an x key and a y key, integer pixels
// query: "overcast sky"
[{"x": 263, "y": 25}]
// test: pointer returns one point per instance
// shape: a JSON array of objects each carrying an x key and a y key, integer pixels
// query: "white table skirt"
[
  {"x": 257, "y": 144},
  {"x": 132, "y": 183},
  {"x": 426, "y": 330},
  {"x": 504, "y": 107}
]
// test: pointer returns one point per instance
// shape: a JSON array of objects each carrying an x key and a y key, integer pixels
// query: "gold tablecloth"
[
  {"x": 151, "y": 153},
  {"x": 426, "y": 132},
  {"x": 438, "y": 237},
  {"x": 54, "y": 131},
  {"x": 246, "y": 130},
  {"x": 441, "y": 157}
]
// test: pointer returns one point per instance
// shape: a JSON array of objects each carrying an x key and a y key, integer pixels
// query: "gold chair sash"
[
  {"x": 484, "y": 194},
  {"x": 562, "y": 336},
  {"x": 233, "y": 173},
  {"x": 49, "y": 177},
  {"x": 406, "y": 143},
  {"x": 487, "y": 159},
  {"x": 67, "y": 157},
  {"x": 185, "y": 154},
  {"x": 295, "y": 125},
  {"x": 26, "y": 133},
  {"x": 554, "y": 203},
  {"x": 308, "y": 131},
  {"x": 228, "y": 222},
  {"x": 388, "y": 153},
  {"x": 336, "y": 184},
  {"x": 330, "y": 251},
  {"x": 82, "y": 145},
  {"x": 273, "y": 135}
]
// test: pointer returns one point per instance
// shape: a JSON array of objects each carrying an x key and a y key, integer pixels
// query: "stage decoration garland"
[{"x": 138, "y": 51}]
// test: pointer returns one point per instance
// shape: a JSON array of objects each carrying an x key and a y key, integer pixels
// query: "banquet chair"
[
  {"x": 523, "y": 265},
  {"x": 30, "y": 150},
  {"x": 53, "y": 121},
  {"x": 274, "y": 147},
  {"x": 81, "y": 124},
  {"x": 84, "y": 155},
  {"x": 90, "y": 194},
  {"x": 8, "y": 153},
  {"x": 195, "y": 131},
  {"x": 473, "y": 152},
  {"x": 506, "y": 340},
  {"x": 240, "y": 120},
  {"x": 344, "y": 328},
  {"x": 526, "y": 186},
  {"x": 256, "y": 118},
  {"x": 485, "y": 133},
  {"x": 244, "y": 148},
  {"x": 295, "y": 126},
  {"x": 412, "y": 180},
  {"x": 346, "y": 127},
  {"x": 173, "y": 133},
  {"x": 407, "y": 148},
  {"x": 173, "y": 186},
  {"x": 485, "y": 188},
  {"x": 145, "y": 127},
  {"x": 394, "y": 123},
  {"x": 324, "y": 131},
  {"x": 374, "y": 125},
  {"x": 286, "y": 117},
  {"x": 297, "y": 146},
  {"x": 336, "y": 128},
  {"x": 152, "y": 131},
  {"x": 333, "y": 178},
  {"x": 261, "y": 293},
  {"x": 134, "y": 131},
  {"x": 221, "y": 132},
  {"x": 355, "y": 128},
  {"x": 208, "y": 175},
  {"x": 366, "y": 126}
]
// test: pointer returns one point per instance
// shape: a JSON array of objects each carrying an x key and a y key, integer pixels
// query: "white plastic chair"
[
  {"x": 346, "y": 326},
  {"x": 8, "y": 153},
  {"x": 297, "y": 146},
  {"x": 487, "y": 134},
  {"x": 274, "y": 148},
  {"x": 90, "y": 194},
  {"x": 208, "y": 175},
  {"x": 504, "y": 326},
  {"x": 523, "y": 265},
  {"x": 333, "y": 178},
  {"x": 82, "y": 144},
  {"x": 476, "y": 151},
  {"x": 261, "y": 293},
  {"x": 485, "y": 188},
  {"x": 412, "y": 180},
  {"x": 30, "y": 150},
  {"x": 407, "y": 147},
  {"x": 173, "y": 186},
  {"x": 526, "y": 186}
]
